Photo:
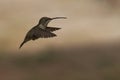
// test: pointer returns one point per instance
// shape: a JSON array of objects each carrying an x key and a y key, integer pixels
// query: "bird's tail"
[
  {"x": 51, "y": 29},
  {"x": 22, "y": 44}
]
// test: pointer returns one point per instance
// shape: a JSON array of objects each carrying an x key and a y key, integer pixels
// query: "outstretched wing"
[
  {"x": 41, "y": 33},
  {"x": 36, "y": 33},
  {"x": 51, "y": 29}
]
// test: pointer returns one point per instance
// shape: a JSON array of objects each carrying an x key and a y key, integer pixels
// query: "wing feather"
[
  {"x": 40, "y": 33},
  {"x": 51, "y": 29}
]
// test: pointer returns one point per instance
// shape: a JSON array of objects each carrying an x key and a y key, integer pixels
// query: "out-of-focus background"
[{"x": 86, "y": 48}]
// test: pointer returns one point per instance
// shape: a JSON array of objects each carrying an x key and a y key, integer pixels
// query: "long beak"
[{"x": 59, "y": 18}]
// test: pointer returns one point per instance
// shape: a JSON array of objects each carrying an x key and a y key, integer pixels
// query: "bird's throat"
[{"x": 41, "y": 26}]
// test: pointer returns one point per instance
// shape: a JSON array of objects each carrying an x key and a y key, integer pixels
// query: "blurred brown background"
[{"x": 86, "y": 48}]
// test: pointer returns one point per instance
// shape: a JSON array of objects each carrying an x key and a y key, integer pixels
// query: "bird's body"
[{"x": 41, "y": 30}]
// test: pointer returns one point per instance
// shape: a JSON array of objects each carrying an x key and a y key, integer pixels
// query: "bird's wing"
[
  {"x": 51, "y": 29},
  {"x": 40, "y": 33}
]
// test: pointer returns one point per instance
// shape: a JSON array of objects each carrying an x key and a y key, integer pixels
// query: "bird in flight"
[{"x": 41, "y": 30}]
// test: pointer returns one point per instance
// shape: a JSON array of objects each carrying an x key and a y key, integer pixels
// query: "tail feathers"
[
  {"x": 22, "y": 44},
  {"x": 51, "y": 29}
]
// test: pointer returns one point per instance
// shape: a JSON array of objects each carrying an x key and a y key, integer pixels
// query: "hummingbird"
[{"x": 41, "y": 30}]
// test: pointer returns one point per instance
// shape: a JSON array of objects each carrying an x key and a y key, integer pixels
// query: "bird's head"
[{"x": 45, "y": 20}]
